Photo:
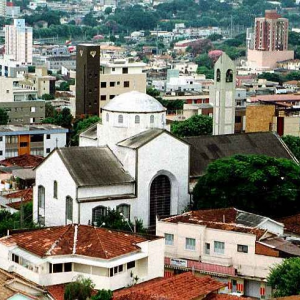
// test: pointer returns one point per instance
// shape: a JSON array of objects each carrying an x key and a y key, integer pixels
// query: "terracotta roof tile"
[
  {"x": 223, "y": 219},
  {"x": 224, "y": 297},
  {"x": 56, "y": 291},
  {"x": 91, "y": 241},
  {"x": 26, "y": 195},
  {"x": 25, "y": 161},
  {"x": 185, "y": 286}
]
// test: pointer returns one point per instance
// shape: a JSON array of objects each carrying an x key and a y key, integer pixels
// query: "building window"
[
  {"x": 219, "y": 247},
  {"x": 218, "y": 75},
  {"x": 1, "y": 138},
  {"x": 103, "y": 97},
  {"x": 57, "y": 268},
  {"x": 169, "y": 239},
  {"x": 23, "y": 144},
  {"x": 111, "y": 97},
  {"x": 242, "y": 248},
  {"x": 103, "y": 84},
  {"x": 151, "y": 119},
  {"x": 190, "y": 244},
  {"x": 48, "y": 136},
  {"x": 98, "y": 212},
  {"x": 131, "y": 265},
  {"x": 125, "y": 210},
  {"x": 238, "y": 119},
  {"x": 41, "y": 196},
  {"x": 207, "y": 248},
  {"x": 48, "y": 150},
  {"x": 137, "y": 119},
  {"x": 112, "y": 84},
  {"x": 125, "y": 70},
  {"x": 113, "y": 69},
  {"x": 126, "y": 84},
  {"x": 115, "y": 270},
  {"x": 107, "y": 117},
  {"x": 69, "y": 208},
  {"x": 229, "y": 75},
  {"x": 32, "y": 109},
  {"x": 120, "y": 119},
  {"x": 15, "y": 258},
  {"x": 55, "y": 189}
]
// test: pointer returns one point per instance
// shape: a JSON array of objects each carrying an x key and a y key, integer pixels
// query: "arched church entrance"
[{"x": 160, "y": 198}]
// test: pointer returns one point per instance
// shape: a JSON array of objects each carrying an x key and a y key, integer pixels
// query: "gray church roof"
[
  {"x": 205, "y": 149},
  {"x": 90, "y": 132},
  {"x": 94, "y": 166}
]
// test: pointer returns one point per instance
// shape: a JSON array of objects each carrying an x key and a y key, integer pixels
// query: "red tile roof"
[
  {"x": 223, "y": 219},
  {"x": 26, "y": 195},
  {"x": 291, "y": 223},
  {"x": 276, "y": 98},
  {"x": 90, "y": 241},
  {"x": 25, "y": 161},
  {"x": 56, "y": 291},
  {"x": 225, "y": 297},
  {"x": 185, "y": 286}
]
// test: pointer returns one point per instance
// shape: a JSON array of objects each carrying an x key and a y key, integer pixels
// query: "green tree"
[
  {"x": 48, "y": 97},
  {"x": 285, "y": 278},
  {"x": 3, "y": 117},
  {"x": 80, "y": 125},
  {"x": 64, "y": 86},
  {"x": 62, "y": 118},
  {"x": 257, "y": 183},
  {"x": 271, "y": 77},
  {"x": 293, "y": 142},
  {"x": 194, "y": 126},
  {"x": 114, "y": 220},
  {"x": 103, "y": 295},
  {"x": 81, "y": 289},
  {"x": 108, "y": 10}
]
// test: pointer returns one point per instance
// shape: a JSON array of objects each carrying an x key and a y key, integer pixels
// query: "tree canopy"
[
  {"x": 80, "y": 289},
  {"x": 62, "y": 118},
  {"x": 196, "y": 125},
  {"x": 3, "y": 117},
  {"x": 257, "y": 183},
  {"x": 293, "y": 142},
  {"x": 285, "y": 278}
]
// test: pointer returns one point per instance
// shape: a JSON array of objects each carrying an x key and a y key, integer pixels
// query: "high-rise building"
[
  {"x": 2, "y": 8},
  {"x": 87, "y": 79},
  {"x": 271, "y": 32},
  {"x": 223, "y": 96},
  {"x": 18, "y": 41}
]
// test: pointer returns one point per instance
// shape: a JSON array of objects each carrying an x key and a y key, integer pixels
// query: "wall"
[
  {"x": 168, "y": 156},
  {"x": 259, "y": 117},
  {"x": 56, "y": 140},
  {"x": 292, "y": 126},
  {"x": 54, "y": 169}
]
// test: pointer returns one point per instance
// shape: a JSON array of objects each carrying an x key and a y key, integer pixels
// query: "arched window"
[
  {"x": 69, "y": 209},
  {"x": 98, "y": 212},
  {"x": 162, "y": 119},
  {"x": 137, "y": 119},
  {"x": 218, "y": 75},
  {"x": 229, "y": 75},
  {"x": 120, "y": 118},
  {"x": 55, "y": 189},
  {"x": 125, "y": 210},
  {"x": 107, "y": 117},
  {"x": 151, "y": 119},
  {"x": 41, "y": 205}
]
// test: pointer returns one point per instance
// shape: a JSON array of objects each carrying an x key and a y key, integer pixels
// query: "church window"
[
  {"x": 125, "y": 210},
  {"x": 137, "y": 119},
  {"x": 41, "y": 205},
  {"x": 229, "y": 75},
  {"x": 218, "y": 75},
  {"x": 151, "y": 119},
  {"x": 55, "y": 189},
  {"x": 120, "y": 118},
  {"x": 69, "y": 209},
  {"x": 98, "y": 212},
  {"x": 107, "y": 117}
]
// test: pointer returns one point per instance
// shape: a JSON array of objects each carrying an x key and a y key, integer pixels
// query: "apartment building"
[
  {"x": 120, "y": 76},
  {"x": 18, "y": 41},
  {"x": 30, "y": 139},
  {"x": 235, "y": 246}
]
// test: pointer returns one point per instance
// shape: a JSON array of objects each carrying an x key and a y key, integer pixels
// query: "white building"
[
  {"x": 30, "y": 139},
  {"x": 18, "y": 41},
  {"x": 184, "y": 84},
  {"x": 2, "y": 8},
  {"x": 130, "y": 162},
  {"x": 57, "y": 255},
  {"x": 234, "y": 245}
]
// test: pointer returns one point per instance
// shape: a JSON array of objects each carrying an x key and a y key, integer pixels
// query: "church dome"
[{"x": 134, "y": 102}]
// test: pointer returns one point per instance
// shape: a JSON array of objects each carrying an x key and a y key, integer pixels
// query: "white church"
[{"x": 130, "y": 162}]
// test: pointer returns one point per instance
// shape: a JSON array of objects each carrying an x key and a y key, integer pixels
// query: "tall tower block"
[
  {"x": 223, "y": 96},
  {"x": 87, "y": 79}
]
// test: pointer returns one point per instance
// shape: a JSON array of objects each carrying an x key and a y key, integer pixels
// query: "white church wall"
[
  {"x": 164, "y": 155},
  {"x": 54, "y": 169},
  {"x": 127, "y": 157},
  {"x": 86, "y": 142},
  {"x": 101, "y": 191}
]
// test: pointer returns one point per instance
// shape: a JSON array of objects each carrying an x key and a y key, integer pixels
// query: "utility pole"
[{"x": 21, "y": 214}]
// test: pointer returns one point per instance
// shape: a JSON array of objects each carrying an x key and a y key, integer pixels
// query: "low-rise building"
[
  {"x": 56, "y": 255},
  {"x": 236, "y": 246},
  {"x": 30, "y": 139}
]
